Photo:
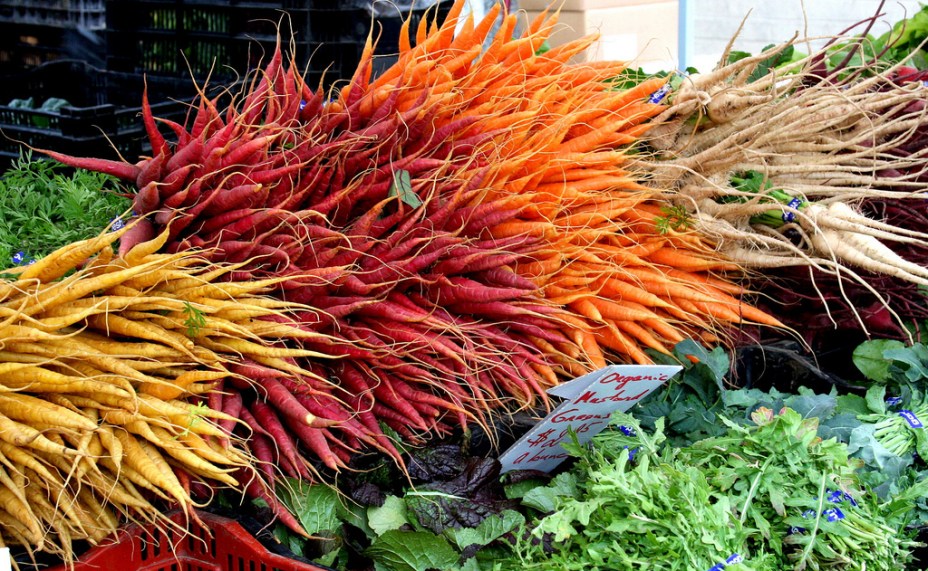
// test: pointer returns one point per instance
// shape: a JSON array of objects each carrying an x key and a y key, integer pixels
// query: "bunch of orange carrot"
[{"x": 464, "y": 224}]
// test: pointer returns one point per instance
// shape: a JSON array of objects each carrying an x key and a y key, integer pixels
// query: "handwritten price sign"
[{"x": 589, "y": 402}]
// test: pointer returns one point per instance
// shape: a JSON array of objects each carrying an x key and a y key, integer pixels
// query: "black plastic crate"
[
  {"x": 220, "y": 38},
  {"x": 331, "y": 23},
  {"x": 24, "y": 46},
  {"x": 388, "y": 25},
  {"x": 226, "y": 39},
  {"x": 331, "y": 62},
  {"x": 87, "y": 14},
  {"x": 103, "y": 115}
]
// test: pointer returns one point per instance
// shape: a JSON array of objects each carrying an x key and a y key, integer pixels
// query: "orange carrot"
[
  {"x": 687, "y": 261},
  {"x": 614, "y": 339},
  {"x": 617, "y": 311},
  {"x": 641, "y": 334}
]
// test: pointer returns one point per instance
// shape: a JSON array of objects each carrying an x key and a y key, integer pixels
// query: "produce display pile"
[{"x": 310, "y": 282}]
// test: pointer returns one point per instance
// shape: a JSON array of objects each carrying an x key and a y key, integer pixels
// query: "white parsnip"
[{"x": 867, "y": 252}]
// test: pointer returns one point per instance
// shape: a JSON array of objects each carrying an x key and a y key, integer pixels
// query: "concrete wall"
[{"x": 712, "y": 23}]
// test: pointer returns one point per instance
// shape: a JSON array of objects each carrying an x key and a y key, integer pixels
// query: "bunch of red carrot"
[{"x": 465, "y": 221}]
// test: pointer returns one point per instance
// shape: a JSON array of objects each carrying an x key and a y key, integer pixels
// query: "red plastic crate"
[{"x": 225, "y": 546}]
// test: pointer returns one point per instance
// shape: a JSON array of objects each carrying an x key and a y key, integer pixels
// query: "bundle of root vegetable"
[
  {"x": 470, "y": 211},
  {"x": 108, "y": 368},
  {"x": 815, "y": 179}
]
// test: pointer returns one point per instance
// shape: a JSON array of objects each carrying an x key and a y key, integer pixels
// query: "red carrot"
[
  {"x": 314, "y": 439},
  {"x": 347, "y": 422},
  {"x": 255, "y": 488},
  {"x": 505, "y": 277},
  {"x": 232, "y": 406},
  {"x": 369, "y": 420},
  {"x": 284, "y": 401},
  {"x": 151, "y": 170},
  {"x": 242, "y": 196},
  {"x": 478, "y": 261},
  {"x": 253, "y": 222},
  {"x": 184, "y": 155},
  {"x": 121, "y": 170},
  {"x": 387, "y": 397},
  {"x": 183, "y": 137},
  {"x": 396, "y": 421},
  {"x": 172, "y": 184},
  {"x": 246, "y": 152},
  {"x": 275, "y": 174},
  {"x": 266, "y": 458},
  {"x": 141, "y": 231},
  {"x": 280, "y": 436},
  {"x": 424, "y": 401},
  {"x": 453, "y": 289},
  {"x": 254, "y": 426},
  {"x": 147, "y": 199},
  {"x": 158, "y": 145}
]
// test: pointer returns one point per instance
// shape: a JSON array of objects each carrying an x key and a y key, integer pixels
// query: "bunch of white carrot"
[{"x": 821, "y": 146}]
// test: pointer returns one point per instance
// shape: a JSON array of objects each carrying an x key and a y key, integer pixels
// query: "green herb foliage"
[
  {"x": 676, "y": 218},
  {"x": 44, "y": 206},
  {"x": 194, "y": 320}
]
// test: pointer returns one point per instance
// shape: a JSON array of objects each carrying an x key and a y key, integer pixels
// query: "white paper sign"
[{"x": 590, "y": 402}]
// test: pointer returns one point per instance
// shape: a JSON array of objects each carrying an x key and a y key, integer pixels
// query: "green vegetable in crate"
[
  {"x": 51, "y": 104},
  {"x": 27, "y": 103}
]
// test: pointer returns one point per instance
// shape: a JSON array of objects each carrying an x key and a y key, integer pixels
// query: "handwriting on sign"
[{"x": 590, "y": 402}]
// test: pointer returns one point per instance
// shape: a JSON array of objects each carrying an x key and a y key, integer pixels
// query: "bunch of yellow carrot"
[{"x": 107, "y": 365}]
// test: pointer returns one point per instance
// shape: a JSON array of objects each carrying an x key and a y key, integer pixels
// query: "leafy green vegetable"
[
  {"x": 411, "y": 551},
  {"x": 701, "y": 474},
  {"x": 489, "y": 530},
  {"x": 755, "y": 182},
  {"x": 388, "y": 517},
  {"x": 612, "y": 513},
  {"x": 691, "y": 402},
  {"x": 905, "y": 43},
  {"x": 782, "y": 57},
  {"x": 545, "y": 499},
  {"x": 316, "y": 507},
  {"x": 901, "y": 371}
]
